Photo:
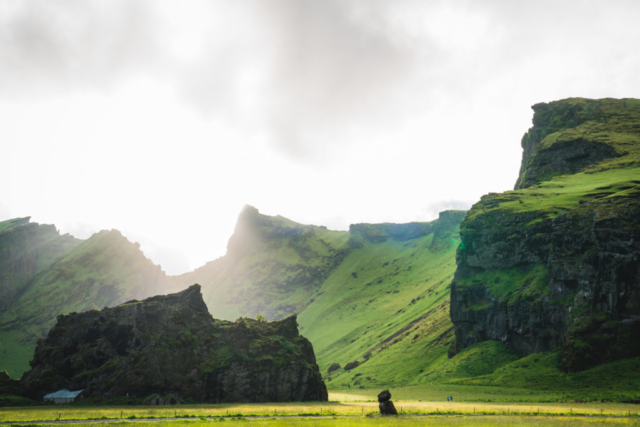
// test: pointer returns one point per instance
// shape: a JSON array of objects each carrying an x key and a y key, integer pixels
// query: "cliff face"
[
  {"x": 171, "y": 344},
  {"x": 556, "y": 262}
]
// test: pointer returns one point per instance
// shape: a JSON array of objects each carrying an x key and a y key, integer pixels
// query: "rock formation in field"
[
  {"x": 171, "y": 344},
  {"x": 556, "y": 262},
  {"x": 385, "y": 404}
]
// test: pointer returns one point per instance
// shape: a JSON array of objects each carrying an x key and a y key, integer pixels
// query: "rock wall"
[
  {"x": 171, "y": 344},
  {"x": 557, "y": 265}
]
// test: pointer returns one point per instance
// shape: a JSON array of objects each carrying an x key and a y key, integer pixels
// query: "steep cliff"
[
  {"x": 556, "y": 262},
  {"x": 171, "y": 344}
]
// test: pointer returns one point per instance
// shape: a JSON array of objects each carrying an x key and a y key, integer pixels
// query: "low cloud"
[
  {"x": 431, "y": 211},
  {"x": 46, "y": 47}
]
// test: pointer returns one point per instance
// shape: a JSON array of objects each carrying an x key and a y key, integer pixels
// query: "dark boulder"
[
  {"x": 333, "y": 367},
  {"x": 386, "y": 405},
  {"x": 351, "y": 365}
]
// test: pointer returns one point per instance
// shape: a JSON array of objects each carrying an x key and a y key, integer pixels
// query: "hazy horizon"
[{"x": 162, "y": 119}]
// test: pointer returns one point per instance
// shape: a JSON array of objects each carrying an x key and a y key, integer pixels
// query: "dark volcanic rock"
[
  {"x": 171, "y": 344},
  {"x": 7, "y": 385},
  {"x": 386, "y": 405}
]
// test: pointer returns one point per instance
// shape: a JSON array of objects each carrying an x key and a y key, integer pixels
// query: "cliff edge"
[{"x": 555, "y": 263}]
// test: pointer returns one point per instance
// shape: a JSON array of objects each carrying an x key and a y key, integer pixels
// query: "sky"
[{"x": 162, "y": 119}]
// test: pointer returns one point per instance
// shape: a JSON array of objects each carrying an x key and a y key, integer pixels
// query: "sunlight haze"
[{"x": 162, "y": 119}]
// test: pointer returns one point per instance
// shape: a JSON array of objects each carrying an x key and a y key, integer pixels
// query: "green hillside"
[
  {"x": 104, "y": 270},
  {"x": 387, "y": 307},
  {"x": 377, "y": 295}
]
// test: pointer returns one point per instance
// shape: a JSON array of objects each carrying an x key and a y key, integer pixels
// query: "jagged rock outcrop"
[
  {"x": 556, "y": 263},
  {"x": 171, "y": 344}
]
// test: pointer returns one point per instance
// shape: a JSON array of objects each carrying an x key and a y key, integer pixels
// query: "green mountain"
[
  {"x": 376, "y": 295},
  {"x": 44, "y": 274},
  {"x": 554, "y": 263},
  {"x": 272, "y": 267}
]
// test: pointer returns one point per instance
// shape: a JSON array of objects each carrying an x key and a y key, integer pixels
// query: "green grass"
[
  {"x": 561, "y": 194},
  {"x": 395, "y": 310},
  {"x": 437, "y": 420},
  {"x": 335, "y": 413},
  {"x": 15, "y": 354}
]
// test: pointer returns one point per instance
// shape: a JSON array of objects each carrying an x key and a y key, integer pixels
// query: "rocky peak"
[
  {"x": 253, "y": 228},
  {"x": 571, "y": 134}
]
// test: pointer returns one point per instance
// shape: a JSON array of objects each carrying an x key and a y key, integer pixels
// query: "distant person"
[
  {"x": 447, "y": 398},
  {"x": 452, "y": 398}
]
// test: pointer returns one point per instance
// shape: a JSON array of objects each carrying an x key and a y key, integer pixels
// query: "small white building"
[{"x": 63, "y": 396}]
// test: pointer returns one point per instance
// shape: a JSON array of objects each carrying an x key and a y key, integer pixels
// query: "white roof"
[{"x": 63, "y": 394}]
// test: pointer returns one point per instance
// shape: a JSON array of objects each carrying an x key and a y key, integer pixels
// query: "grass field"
[
  {"x": 353, "y": 404},
  {"x": 440, "y": 420}
]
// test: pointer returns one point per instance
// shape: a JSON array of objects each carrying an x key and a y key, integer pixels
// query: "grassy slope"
[
  {"x": 492, "y": 365},
  {"x": 389, "y": 299},
  {"x": 106, "y": 269},
  {"x": 395, "y": 313}
]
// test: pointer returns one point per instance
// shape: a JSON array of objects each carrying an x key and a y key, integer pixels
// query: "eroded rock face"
[
  {"x": 570, "y": 153},
  {"x": 171, "y": 344},
  {"x": 555, "y": 266}
]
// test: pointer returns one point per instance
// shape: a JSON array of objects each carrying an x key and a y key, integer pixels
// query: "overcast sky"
[{"x": 163, "y": 118}]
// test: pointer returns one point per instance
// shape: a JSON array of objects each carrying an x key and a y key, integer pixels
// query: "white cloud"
[{"x": 163, "y": 118}]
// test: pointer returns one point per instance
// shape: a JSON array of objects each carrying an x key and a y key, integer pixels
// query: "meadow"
[
  {"x": 345, "y": 409},
  {"x": 443, "y": 420}
]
